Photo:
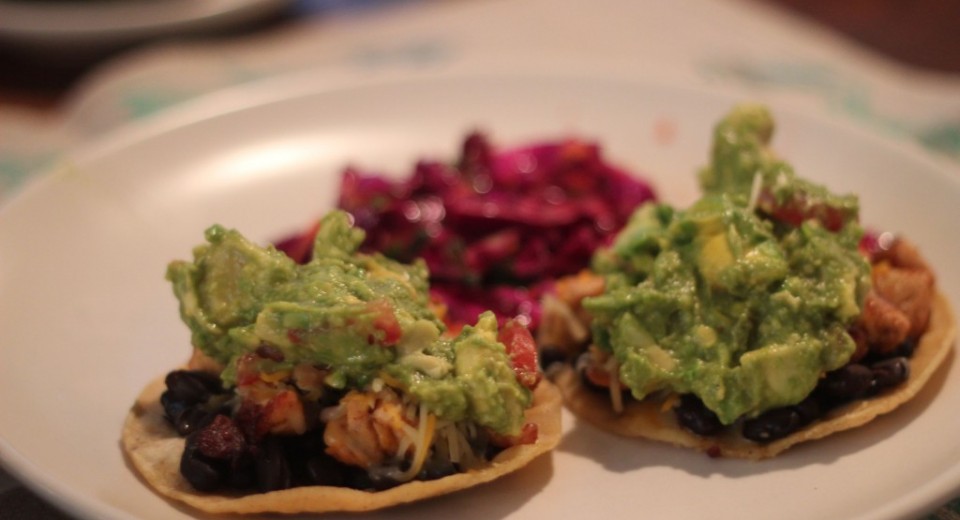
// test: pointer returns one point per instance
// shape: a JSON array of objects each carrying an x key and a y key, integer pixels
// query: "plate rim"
[{"x": 52, "y": 22}]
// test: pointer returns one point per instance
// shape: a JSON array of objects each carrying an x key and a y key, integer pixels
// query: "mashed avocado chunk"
[
  {"x": 742, "y": 299},
  {"x": 360, "y": 316}
]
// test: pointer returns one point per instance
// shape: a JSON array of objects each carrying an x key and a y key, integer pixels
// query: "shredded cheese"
[
  {"x": 555, "y": 306},
  {"x": 453, "y": 447},
  {"x": 670, "y": 402},
  {"x": 422, "y": 440},
  {"x": 410, "y": 436},
  {"x": 467, "y": 458},
  {"x": 616, "y": 397}
]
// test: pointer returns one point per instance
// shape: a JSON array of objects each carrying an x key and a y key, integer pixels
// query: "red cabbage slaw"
[{"x": 496, "y": 227}]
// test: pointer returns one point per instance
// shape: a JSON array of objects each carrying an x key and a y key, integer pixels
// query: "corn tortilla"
[
  {"x": 154, "y": 449},
  {"x": 653, "y": 419}
]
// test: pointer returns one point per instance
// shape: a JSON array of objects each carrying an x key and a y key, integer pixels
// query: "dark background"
[{"x": 924, "y": 34}]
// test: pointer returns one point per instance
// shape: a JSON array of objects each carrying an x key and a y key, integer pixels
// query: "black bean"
[
  {"x": 273, "y": 472},
  {"x": 172, "y": 407},
  {"x": 490, "y": 450},
  {"x": 772, "y": 425},
  {"x": 549, "y": 355},
  {"x": 202, "y": 474},
  {"x": 323, "y": 470},
  {"x": 242, "y": 476},
  {"x": 906, "y": 348},
  {"x": 358, "y": 478},
  {"x": 435, "y": 468},
  {"x": 693, "y": 415},
  {"x": 212, "y": 381},
  {"x": 270, "y": 352},
  {"x": 311, "y": 414},
  {"x": 809, "y": 410},
  {"x": 330, "y": 397},
  {"x": 847, "y": 382},
  {"x": 890, "y": 372},
  {"x": 192, "y": 419},
  {"x": 381, "y": 482},
  {"x": 192, "y": 387},
  {"x": 309, "y": 444}
]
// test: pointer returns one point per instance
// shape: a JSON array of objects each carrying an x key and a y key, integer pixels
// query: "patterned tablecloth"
[{"x": 698, "y": 42}]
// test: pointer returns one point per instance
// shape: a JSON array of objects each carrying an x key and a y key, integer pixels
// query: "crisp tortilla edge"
[
  {"x": 154, "y": 449},
  {"x": 653, "y": 420}
]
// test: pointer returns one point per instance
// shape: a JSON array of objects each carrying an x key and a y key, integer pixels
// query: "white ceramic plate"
[
  {"x": 116, "y": 22},
  {"x": 87, "y": 318}
]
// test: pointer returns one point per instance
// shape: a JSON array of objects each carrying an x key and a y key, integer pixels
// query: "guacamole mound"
[
  {"x": 362, "y": 317},
  {"x": 744, "y": 298}
]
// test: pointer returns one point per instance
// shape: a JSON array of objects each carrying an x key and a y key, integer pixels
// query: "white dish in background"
[
  {"x": 110, "y": 23},
  {"x": 88, "y": 319}
]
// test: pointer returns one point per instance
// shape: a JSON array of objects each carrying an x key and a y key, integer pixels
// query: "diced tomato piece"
[
  {"x": 870, "y": 245},
  {"x": 386, "y": 321},
  {"x": 522, "y": 350},
  {"x": 801, "y": 208},
  {"x": 283, "y": 414},
  {"x": 600, "y": 377},
  {"x": 528, "y": 435},
  {"x": 295, "y": 336},
  {"x": 453, "y": 329},
  {"x": 247, "y": 373}
]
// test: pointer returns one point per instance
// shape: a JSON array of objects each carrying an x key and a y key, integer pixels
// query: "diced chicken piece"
[
  {"x": 860, "y": 339},
  {"x": 884, "y": 325},
  {"x": 565, "y": 324},
  {"x": 910, "y": 290},
  {"x": 560, "y": 328},
  {"x": 366, "y": 429},
  {"x": 596, "y": 365},
  {"x": 310, "y": 380},
  {"x": 282, "y": 415},
  {"x": 573, "y": 289},
  {"x": 268, "y": 404},
  {"x": 903, "y": 254}
]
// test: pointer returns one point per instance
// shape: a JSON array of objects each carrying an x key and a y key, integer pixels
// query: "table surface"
[{"x": 918, "y": 33}]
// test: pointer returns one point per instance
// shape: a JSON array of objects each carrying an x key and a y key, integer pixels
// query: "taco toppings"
[
  {"x": 333, "y": 374},
  {"x": 495, "y": 227},
  {"x": 735, "y": 324}
]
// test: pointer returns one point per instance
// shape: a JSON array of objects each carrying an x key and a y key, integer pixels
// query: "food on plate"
[
  {"x": 496, "y": 227},
  {"x": 331, "y": 385},
  {"x": 757, "y": 318}
]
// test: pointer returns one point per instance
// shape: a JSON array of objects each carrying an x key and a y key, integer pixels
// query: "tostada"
[
  {"x": 759, "y": 317},
  {"x": 332, "y": 385}
]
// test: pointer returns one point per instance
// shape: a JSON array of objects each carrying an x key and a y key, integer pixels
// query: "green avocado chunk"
[
  {"x": 745, "y": 297},
  {"x": 360, "y": 316}
]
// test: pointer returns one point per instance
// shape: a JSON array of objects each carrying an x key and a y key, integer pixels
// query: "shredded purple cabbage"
[{"x": 496, "y": 227}]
